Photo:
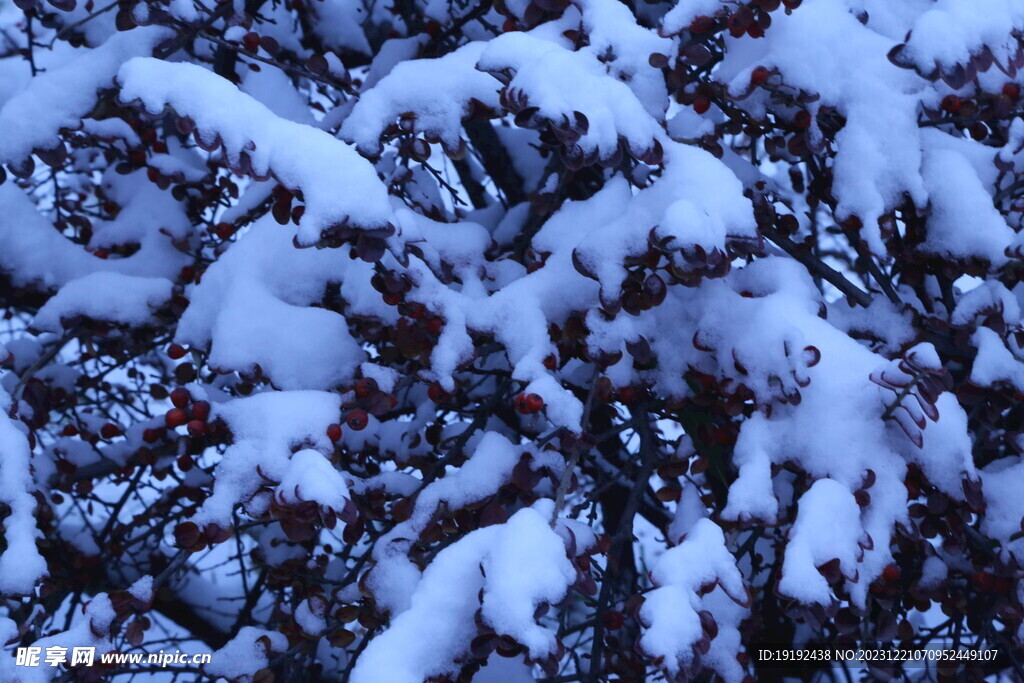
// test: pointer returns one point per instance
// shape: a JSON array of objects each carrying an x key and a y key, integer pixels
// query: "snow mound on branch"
[
  {"x": 671, "y": 613},
  {"x": 516, "y": 566},
  {"x": 246, "y": 653},
  {"x": 827, "y": 527},
  {"x": 394, "y": 578},
  {"x": 951, "y": 32},
  {"x": 311, "y": 477},
  {"x": 959, "y": 199},
  {"x": 339, "y": 186},
  {"x": 58, "y": 99},
  {"x": 438, "y": 91},
  {"x": 682, "y": 14},
  {"x": 110, "y": 297},
  {"x": 340, "y": 24},
  {"x": 90, "y": 627},
  {"x": 994, "y": 362},
  {"x": 562, "y": 84},
  {"x": 33, "y": 253},
  {"x": 614, "y": 35},
  {"x": 699, "y": 201},
  {"x": 265, "y": 428},
  {"x": 1004, "y": 511},
  {"x": 21, "y": 565},
  {"x": 253, "y": 307}
]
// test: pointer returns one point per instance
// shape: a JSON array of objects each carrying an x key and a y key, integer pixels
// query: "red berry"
[
  {"x": 153, "y": 174},
  {"x": 392, "y": 298},
  {"x": 180, "y": 397},
  {"x": 951, "y": 103},
  {"x": 175, "y": 351},
  {"x": 437, "y": 393},
  {"x": 759, "y": 76},
  {"x": 101, "y": 253},
  {"x": 110, "y": 430},
  {"x": 550, "y": 361},
  {"x": 69, "y": 430},
  {"x": 509, "y": 25},
  {"x": 891, "y": 573},
  {"x": 365, "y": 387},
  {"x": 1011, "y": 90},
  {"x": 802, "y": 120},
  {"x": 251, "y": 41},
  {"x": 701, "y": 105},
  {"x": 185, "y": 462},
  {"x": 357, "y": 419},
  {"x": 151, "y": 435},
  {"x": 334, "y": 431},
  {"x": 982, "y": 580},
  {"x": 627, "y": 394},
  {"x": 528, "y": 404},
  {"x": 196, "y": 427},
  {"x": 434, "y": 325},
  {"x": 175, "y": 417},
  {"x": 224, "y": 230},
  {"x": 201, "y": 410}
]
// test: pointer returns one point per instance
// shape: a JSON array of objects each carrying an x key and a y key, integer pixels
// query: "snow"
[
  {"x": 395, "y": 578},
  {"x": 561, "y": 83},
  {"x": 265, "y": 427},
  {"x": 439, "y": 91},
  {"x": 952, "y": 31},
  {"x": 60, "y": 98},
  {"x": 340, "y": 24},
  {"x": 32, "y": 252},
  {"x": 1005, "y": 506},
  {"x": 300, "y": 157},
  {"x": 253, "y": 308},
  {"x": 827, "y": 527},
  {"x": 995, "y": 363},
  {"x": 142, "y": 589},
  {"x": 110, "y": 297},
  {"x": 310, "y": 476},
  {"x": 21, "y": 564},
  {"x": 670, "y": 612},
  {"x": 523, "y": 565},
  {"x": 246, "y": 653},
  {"x": 90, "y": 627},
  {"x": 958, "y": 198},
  {"x": 682, "y": 14},
  {"x": 312, "y": 623}
]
